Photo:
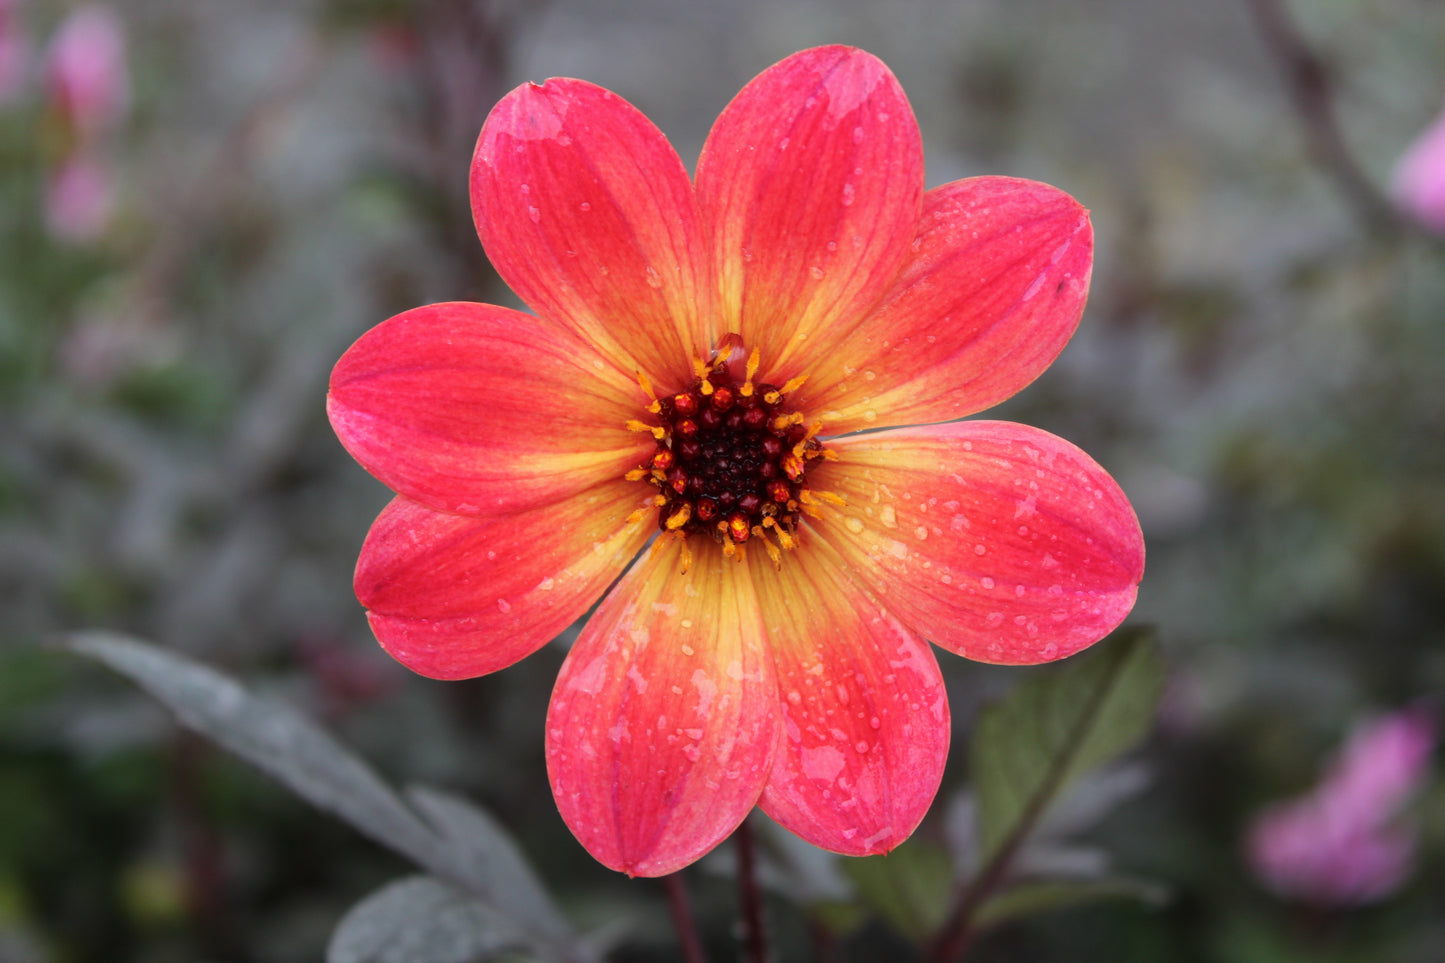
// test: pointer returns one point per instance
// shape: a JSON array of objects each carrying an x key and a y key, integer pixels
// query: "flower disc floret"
[{"x": 732, "y": 457}]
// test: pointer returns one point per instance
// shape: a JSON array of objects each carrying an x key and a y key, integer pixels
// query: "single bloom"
[
  {"x": 1418, "y": 184},
  {"x": 1342, "y": 843},
  {"x": 705, "y": 368},
  {"x": 79, "y": 198},
  {"x": 87, "y": 81}
]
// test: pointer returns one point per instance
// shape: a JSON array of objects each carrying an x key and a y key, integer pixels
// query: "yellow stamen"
[
  {"x": 637, "y": 474},
  {"x": 771, "y": 549},
  {"x": 646, "y": 385},
  {"x": 686, "y": 556},
  {"x": 679, "y": 518},
  {"x": 786, "y": 540},
  {"x": 794, "y": 384},
  {"x": 656, "y": 431},
  {"x": 811, "y": 496}
]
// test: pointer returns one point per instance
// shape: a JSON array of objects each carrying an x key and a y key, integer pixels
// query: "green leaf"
[
  {"x": 1053, "y": 727},
  {"x": 1041, "y": 896},
  {"x": 909, "y": 887}
]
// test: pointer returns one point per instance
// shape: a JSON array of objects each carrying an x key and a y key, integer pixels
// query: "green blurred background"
[{"x": 1262, "y": 367}]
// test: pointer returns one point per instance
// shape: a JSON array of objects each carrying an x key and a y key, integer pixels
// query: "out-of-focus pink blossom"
[
  {"x": 1419, "y": 182},
  {"x": 79, "y": 198},
  {"x": 86, "y": 71},
  {"x": 14, "y": 50},
  {"x": 1341, "y": 844}
]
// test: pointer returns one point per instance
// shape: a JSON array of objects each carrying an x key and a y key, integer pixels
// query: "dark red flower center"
[{"x": 732, "y": 455}]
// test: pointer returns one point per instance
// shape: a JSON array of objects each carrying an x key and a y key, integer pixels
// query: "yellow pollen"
[
  {"x": 794, "y": 384},
  {"x": 679, "y": 518},
  {"x": 646, "y": 386}
]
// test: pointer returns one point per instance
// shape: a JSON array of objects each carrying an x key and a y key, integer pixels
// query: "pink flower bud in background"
[
  {"x": 1340, "y": 844},
  {"x": 1418, "y": 185},
  {"x": 86, "y": 71},
  {"x": 79, "y": 198},
  {"x": 14, "y": 51}
]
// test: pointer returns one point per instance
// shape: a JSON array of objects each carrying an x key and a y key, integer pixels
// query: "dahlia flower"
[
  {"x": 1342, "y": 843},
  {"x": 1418, "y": 184},
  {"x": 706, "y": 364}
]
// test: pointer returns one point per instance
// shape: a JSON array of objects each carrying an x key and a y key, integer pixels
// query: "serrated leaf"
[
  {"x": 419, "y": 919},
  {"x": 1027, "y": 748},
  {"x": 909, "y": 887},
  {"x": 1029, "y": 898},
  {"x": 270, "y": 736},
  {"x": 485, "y": 855}
]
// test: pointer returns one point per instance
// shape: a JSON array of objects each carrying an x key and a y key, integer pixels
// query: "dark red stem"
[
  {"x": 755, "y": 936},
  {"x": 682, "y": 919}
]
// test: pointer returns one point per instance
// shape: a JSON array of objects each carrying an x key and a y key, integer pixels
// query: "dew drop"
[
  {"x": 853, "y": 525},
  {"x": 653, "y": 279},
  {"x": 504, "y": 606},
  {"x": 986, "y": 582},
  {"x": 817, "y": 272},
  {"x": 534, "y": 214},
  {"x": 870, "y": 415},
  {"x": 547, "y": 584},
  {"x": 888, "y": 517},
  {"x": 584, "y": 207},
  {"x": 861, "y": 746},
  {"x": 921, "y": 532},
  {"x": 848, "y": 193},
  {"x": 857, "y": 135},
  {"x": 979, "y": 550}
]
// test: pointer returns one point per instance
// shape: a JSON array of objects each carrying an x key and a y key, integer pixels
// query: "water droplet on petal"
[
  {"x": 534, "y": 214},
  {"x": 848, "y": 193}
]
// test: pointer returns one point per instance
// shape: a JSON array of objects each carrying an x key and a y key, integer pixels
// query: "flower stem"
[
  {"x": 682, "y": 919},
  {"x": 1311, "y": 90},
  {"x": 755, "y": 937}
]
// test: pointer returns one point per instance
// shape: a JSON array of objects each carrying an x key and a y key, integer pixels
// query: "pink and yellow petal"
[
  {"x": 997, "y": 541},
  {"x": 864, "y": 711},
  {"x": 664, "y": 719},
  {"x": 586, "y": 211},
  {"x": 810, "y": 184},
  {"x": 477, "y": 409},
  {"x": 993, "y": 293},
  {"x": 455, "y": 596}
]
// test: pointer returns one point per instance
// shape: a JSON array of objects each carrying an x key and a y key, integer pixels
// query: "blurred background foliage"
[{"x": 1260, "y": 366}]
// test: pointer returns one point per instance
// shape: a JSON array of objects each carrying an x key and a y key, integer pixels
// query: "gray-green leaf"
[
  {"x": 419, "y": 919},
  {"x": 484, "y": 855},
  {"x": 270, "y": 736},
  {"x": 1041, "y": 896},
  {"x": 1027, "y": 748}
]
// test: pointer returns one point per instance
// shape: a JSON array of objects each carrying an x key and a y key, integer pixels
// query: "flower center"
[{"x": 732, "y": 456}]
